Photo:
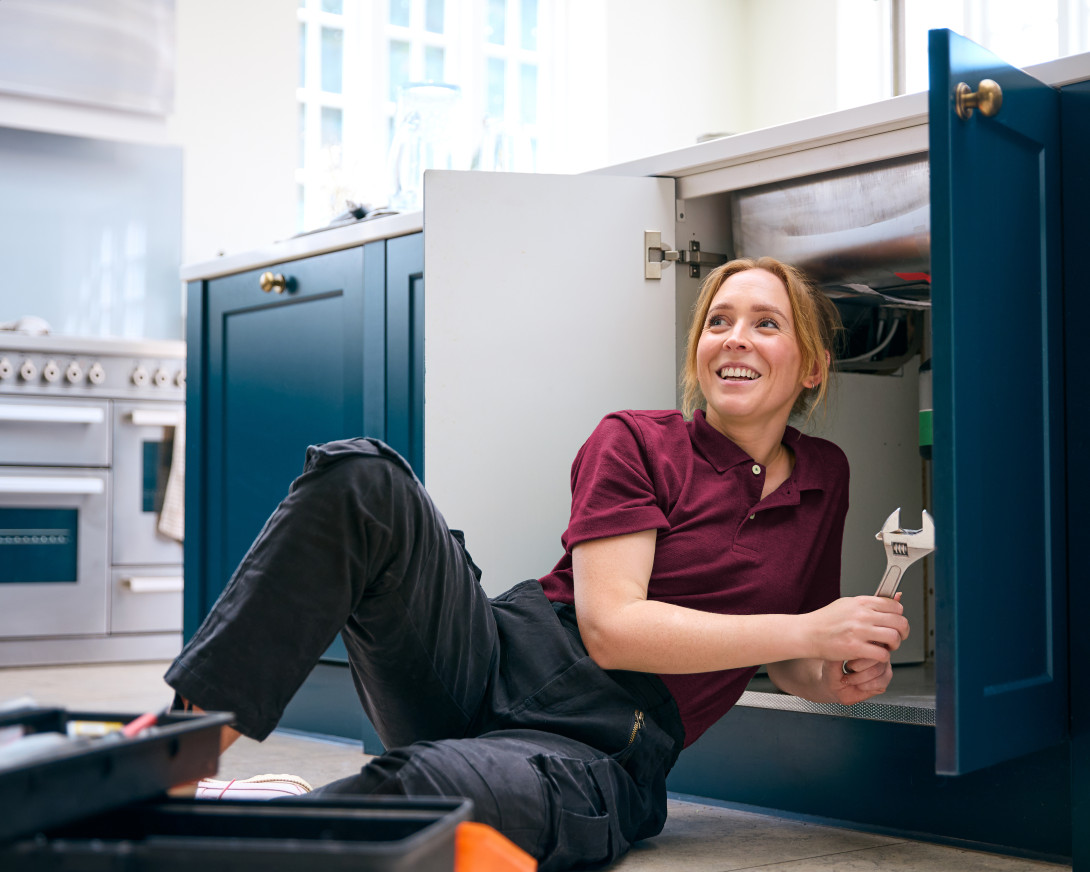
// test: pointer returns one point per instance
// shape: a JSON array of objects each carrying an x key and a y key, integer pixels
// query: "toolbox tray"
[
  {"x": 98, "y": 774},
  {"x": 376, "y": 834}
]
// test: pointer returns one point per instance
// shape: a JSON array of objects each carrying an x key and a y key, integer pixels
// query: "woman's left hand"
[{"x": 867, "y": 678}]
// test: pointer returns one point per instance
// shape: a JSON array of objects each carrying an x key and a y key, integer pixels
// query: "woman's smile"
[
  {"x": 738, "y": 373},
  {"x": 748, "y": 358}
]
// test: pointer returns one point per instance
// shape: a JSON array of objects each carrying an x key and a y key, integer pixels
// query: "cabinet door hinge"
[{"x": 657, "y": 253}]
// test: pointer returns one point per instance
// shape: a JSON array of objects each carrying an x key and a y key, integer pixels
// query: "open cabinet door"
[
  {"x": 538, "y": 322},
  {"x": 1001, "y": 652}
]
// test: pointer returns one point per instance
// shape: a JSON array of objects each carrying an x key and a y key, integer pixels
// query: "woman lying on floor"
[{"x": 698, "y": 549}]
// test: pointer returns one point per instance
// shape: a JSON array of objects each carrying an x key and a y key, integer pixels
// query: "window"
[
  {"x": 331, "y": 84},
  {"x": 882, "y": 44},
  {"x": 357, "y": 55},
  {"x": 1020, "y": 33}
]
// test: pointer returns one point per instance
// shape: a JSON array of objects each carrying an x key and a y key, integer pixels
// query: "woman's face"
[{"x": 748, "y": 359}]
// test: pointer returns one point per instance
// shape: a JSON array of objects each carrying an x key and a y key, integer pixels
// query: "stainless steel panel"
[
  {"x": 146, "y": 599},
  {"x": 867, "y": 225},
  {"x": 29, "y": 609},
  {"x": 143, "y": 438},
  {"x": 55, "y": 433}
]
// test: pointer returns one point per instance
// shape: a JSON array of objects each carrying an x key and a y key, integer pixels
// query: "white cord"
[{"x": 862, "y": 357}]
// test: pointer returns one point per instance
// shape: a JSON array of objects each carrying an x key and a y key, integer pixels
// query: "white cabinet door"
[{"x": 538, "y": 321}]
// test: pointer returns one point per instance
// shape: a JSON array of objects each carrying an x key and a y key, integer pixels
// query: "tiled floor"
[{"x": 697, "y": 838}]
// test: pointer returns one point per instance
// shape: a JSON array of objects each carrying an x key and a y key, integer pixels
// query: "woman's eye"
[
  {"x": 768, "y": 322},
  {"x": 716, "y": 321}
]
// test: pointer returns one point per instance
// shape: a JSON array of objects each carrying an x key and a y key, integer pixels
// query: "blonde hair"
[{"x": 817, "y": 323}]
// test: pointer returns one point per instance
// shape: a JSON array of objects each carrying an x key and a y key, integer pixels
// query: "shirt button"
[{"x": 756, "y": 469}]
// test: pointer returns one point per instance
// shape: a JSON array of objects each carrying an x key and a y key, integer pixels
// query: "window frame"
[{"x": 368, "y": 106}]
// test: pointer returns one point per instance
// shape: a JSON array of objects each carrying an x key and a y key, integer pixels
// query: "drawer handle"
[
  {"x": 52, "y": 414},
  {"x": 273, "y": 282},
  {"x": 29, "y": 484},
  {"x": 153, "y": 584},
  {"x": 155, "y": 418}
]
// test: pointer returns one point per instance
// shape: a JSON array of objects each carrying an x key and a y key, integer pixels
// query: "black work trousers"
[{"x": 495, "y": 700}]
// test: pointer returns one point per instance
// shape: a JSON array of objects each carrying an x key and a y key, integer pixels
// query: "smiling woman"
[
  {"x": 804, "y": 314},
  {"x": 697, "y": 550}
]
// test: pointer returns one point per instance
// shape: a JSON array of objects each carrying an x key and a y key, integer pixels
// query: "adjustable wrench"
[{"x": 903, "y": 548}]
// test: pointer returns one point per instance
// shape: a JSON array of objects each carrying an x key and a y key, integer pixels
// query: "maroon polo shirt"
[{"x": 720, "y": 547}]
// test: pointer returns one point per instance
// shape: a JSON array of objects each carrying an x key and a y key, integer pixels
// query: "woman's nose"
[{"x": 735, "y": 337}]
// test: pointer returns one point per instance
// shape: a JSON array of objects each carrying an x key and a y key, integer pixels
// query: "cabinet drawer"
[
  {"x": 66, "y": 432},
  {"x": 146, "y": 599}
]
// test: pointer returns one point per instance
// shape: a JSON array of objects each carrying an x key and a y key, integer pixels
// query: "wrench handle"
[{"x": 888, "y": 585}]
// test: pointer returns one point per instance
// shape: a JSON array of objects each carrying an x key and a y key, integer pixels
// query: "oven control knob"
[
  {"x": 73, "y": 373},
  {"x": 28, "y": 371},
  {"x": 96, "y": 375},
  {"x": 179, "y": 378},
  {"x": 162, "y": 378},
  {"x": 51, "y": 372},
  {"x": 139, "y": 376},
  {"x": 6, "y": 369}
]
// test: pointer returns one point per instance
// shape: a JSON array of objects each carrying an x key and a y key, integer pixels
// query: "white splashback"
[{"x": 90, "y": 235}]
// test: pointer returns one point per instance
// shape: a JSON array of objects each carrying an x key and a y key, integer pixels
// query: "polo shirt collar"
[
  {"x": 719, "y": 450},
  {"x": 722, "y": 453}
]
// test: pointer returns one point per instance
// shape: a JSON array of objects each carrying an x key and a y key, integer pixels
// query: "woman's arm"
[
  {"x": 623, "y": 629},
  {"x": 825, "y": 681}
]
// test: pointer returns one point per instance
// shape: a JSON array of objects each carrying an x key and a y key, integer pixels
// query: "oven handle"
[
  {"x": 32, "y": 484},
  {"x": 155, "y": 418},
  {"x": 52, "y": 414},
  {"x": 153, "y": 584}
]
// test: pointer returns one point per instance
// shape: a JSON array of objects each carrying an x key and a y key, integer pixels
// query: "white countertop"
[
  {"x": 698, "y": 168},
  {"x": 318, "y": 242}
]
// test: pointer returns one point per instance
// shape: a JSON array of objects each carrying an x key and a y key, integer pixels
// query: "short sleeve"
[
  {"x": 825, "y": 582},
  {"x": 613, "y": 484}
]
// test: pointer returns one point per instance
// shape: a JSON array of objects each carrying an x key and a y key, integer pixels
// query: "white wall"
[
  {"x": 670, "y": 73},
  {"x": 791, "y": 54},
  {"x": 642, "y": 77},
  {"x": 236, "y": 117},
  {"x": 664, "y": 74},
  {"x": 674, "y": 73}
]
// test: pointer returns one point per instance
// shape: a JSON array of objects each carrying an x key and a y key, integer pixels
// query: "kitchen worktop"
[
  {"x": 841, "y": 138},
  {"x": 306, "y": 245}
]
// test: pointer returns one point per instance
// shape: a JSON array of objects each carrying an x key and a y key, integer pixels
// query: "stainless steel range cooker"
[{"x": 87, "y": 433}]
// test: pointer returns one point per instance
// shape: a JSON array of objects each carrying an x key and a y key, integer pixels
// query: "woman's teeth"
[{"x": 738, "y": 372}]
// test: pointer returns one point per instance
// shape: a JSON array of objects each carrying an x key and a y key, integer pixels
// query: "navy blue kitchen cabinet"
[
  {"x": 282, "y": 357},
  {"x": 1075, "y": 133},
  {"x": 1014, "y": 587},
  {"x": 1006, "y": 763}
]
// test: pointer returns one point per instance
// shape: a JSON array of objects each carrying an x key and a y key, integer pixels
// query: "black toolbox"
[
  {"x": 92, "y": 766},
  {"x": 365, "y": 834},
  {"x": 97, "y": 804}
]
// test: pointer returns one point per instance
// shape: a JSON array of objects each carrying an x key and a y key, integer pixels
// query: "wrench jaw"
[{"x": 903, "y": 548}]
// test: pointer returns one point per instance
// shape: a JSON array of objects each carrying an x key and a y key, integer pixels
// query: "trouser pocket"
[{"x": 581, "y": 816}]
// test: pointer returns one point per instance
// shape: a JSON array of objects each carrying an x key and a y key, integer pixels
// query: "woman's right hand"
[{"x": 859, "y": 628}]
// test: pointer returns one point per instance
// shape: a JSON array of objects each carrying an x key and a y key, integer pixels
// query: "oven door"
[
  {"x": 53, "y": 551},
  {"x": 54, "y": 432},
  {"x": 142, "y": 453}
]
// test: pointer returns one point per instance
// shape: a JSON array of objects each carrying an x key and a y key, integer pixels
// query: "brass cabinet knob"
[
  {"x": 988, "y": 98},
  {"x": 273, "y": 282}
]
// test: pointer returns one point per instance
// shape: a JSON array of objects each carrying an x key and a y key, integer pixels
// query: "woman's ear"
[{"x": 814, "y": 378}]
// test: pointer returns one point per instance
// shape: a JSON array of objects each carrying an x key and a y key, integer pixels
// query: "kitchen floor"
[{"x": 698, "y": 837}]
